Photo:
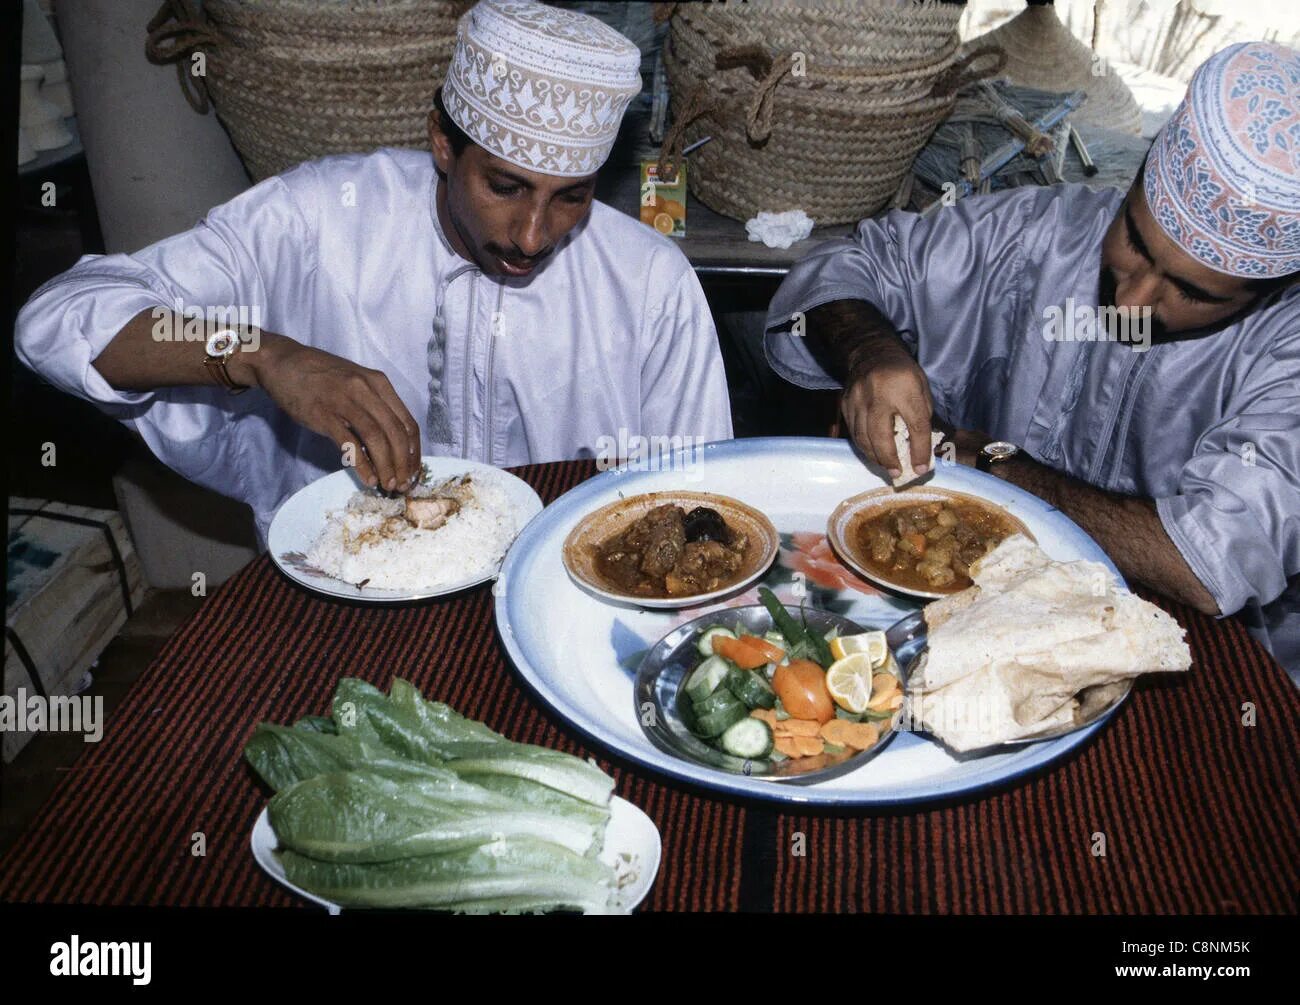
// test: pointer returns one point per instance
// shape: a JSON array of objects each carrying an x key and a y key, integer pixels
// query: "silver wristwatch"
[{"x": 995, "y": 453}]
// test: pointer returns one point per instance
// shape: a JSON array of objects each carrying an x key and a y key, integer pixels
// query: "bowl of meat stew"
[
  {"x": 920, "y": 541},
  {"x": 670, "y": 549}
]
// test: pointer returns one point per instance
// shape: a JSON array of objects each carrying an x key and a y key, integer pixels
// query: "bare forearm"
[
  {"x": 848, "y": 336},
  {"x": 154, "y": 350},
  {"x": 1128, "y": 529}
]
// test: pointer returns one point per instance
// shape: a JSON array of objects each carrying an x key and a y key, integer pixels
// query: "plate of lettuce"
[{"x": 395, "y": 802}]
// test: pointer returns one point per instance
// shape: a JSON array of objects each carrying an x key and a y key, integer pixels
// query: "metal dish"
[{"x": 657, "y": 692}]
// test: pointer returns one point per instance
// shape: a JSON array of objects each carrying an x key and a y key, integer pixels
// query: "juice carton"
[{"x": 663, "y": 203}]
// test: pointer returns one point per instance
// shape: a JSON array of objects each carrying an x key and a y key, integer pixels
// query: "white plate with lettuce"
[
  {"x": 632, "y": 849},
  {"x": 396, "y": 802}
]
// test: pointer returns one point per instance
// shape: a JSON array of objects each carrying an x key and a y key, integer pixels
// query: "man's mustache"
[{"x": 515, "y": 259}]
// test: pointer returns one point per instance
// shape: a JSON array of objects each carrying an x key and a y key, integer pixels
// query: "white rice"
[{"x": 470, "y": 544}]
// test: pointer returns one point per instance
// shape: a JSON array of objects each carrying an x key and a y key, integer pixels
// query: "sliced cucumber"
[
  {"x": 705, "y": 642},
  {"x": 706, "y": 678},
  {"x": 777, "y": 639},
  {"x": 721, "y": 699},
  {"x": 718, "y": 723},
  {"x": 749, "y": 738},
  {"x": 750, "y": 687}
]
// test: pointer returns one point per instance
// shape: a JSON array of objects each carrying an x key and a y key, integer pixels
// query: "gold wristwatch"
[{"x": 220, "y": 347}]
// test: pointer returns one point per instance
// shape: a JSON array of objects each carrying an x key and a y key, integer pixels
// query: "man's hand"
[
  {"x": 884, "y": 382},
  {"x": 880, "y": 378},
  {"x": 354, "y": 406}
]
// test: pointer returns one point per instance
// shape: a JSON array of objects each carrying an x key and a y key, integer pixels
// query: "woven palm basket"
[
  {"x": 293, "y": 80},
  {"x": 811, "y": 104},
  {"x": 1041, "y": 52}
]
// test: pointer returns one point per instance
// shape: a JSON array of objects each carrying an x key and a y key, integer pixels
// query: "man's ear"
[{"x": 438, "y": 143}]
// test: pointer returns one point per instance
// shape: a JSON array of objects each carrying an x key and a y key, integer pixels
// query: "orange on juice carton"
[{"x": 663, "y": 204}]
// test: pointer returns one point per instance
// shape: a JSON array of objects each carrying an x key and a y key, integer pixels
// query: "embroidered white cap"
[{"x": 541, "y": 87}]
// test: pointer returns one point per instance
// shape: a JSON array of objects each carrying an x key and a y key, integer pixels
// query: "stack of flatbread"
[
  {"x": 1033, "y": 645},
  {"x": 903, "y": 444}
]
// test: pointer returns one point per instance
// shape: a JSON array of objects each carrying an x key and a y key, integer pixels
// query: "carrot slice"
[
  {"x": 786, "y": 744},
  {"x": 859, "y": 735},
  {"x": 798, "y": 727},
  {"x": 766, "y": 714},
  {"x": 918, "y": 541},
  {"x": 809, "y": 745},
  {"x": 739, "y": 651}
]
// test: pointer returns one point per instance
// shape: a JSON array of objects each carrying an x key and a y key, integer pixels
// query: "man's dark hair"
[
  {"x": 455, "y": 135},
  {"x": 1265, "y": 287}
]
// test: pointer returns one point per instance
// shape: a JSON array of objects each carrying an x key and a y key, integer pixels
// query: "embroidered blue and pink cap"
[{"x": 1223, "y": 177}]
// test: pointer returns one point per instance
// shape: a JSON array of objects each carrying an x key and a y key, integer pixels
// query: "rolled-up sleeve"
[
  {"x": 221, "y": 263},
  {"x": 248, "y": 261},
  {"x": 1236, "y": 515},
  {"x": 944, "y": 270}
]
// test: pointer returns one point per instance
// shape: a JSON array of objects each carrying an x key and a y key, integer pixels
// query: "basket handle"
[
  {"x": 761, "y": 67},
  {"x": 176, "y": 32},
  {"x": 670, "y": 154},
  {"x": 955, "y": 77},
  {"x": 758, "y": 117}
]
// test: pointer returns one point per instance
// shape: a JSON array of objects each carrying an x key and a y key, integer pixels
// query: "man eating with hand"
[
  {"x": 477, "y": 303},
  {"x": 1131, "y": 358}
]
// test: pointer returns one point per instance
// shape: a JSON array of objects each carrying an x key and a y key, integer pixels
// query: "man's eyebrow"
[
  {"x": 1190, "y": 288},
  {"x": 503, "y": 174},
  {"x": 511, "y": 177}
]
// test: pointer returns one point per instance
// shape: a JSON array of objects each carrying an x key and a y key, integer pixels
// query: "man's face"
[
  {"x": 1141, "y": 266},
  {"x": 503, "y": 218}
]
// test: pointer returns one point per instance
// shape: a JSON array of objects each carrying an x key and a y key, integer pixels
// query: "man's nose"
[
  {"x": 531, "y": 236},
  {"x": 1138, "y": 289}
]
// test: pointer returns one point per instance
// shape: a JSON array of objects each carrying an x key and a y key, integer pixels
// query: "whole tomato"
[{"x": 801, "y": 686}]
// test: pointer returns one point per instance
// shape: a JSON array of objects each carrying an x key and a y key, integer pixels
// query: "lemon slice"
[
  {"x": 849, "y": 682},
  {"x": 664, "y": 223},
  {"x": 871, "y": 643}
]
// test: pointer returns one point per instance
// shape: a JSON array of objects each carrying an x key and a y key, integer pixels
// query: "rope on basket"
[
  {"x": 769, "y": 73},
  {"x": 175, "y": 33}
]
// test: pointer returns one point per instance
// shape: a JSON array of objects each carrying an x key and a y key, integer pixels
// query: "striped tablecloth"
[{"x": 1198, "y": 811}]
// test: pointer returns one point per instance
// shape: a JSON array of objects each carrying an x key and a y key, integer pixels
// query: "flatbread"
[
  {"x": 1016, "y": 653},
  {"x": 903, "y": 444}
]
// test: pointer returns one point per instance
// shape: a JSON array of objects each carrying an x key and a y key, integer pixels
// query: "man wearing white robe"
[{"x": 477, "y": 303}]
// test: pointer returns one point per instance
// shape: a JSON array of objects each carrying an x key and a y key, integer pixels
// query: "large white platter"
[
  {"x": 632, "y": 849},
  {"x": 301, "y": 518},
  {"x": 581, "y": 655}
]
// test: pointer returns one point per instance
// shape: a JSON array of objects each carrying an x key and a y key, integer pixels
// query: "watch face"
[
  {"x": 999, "y": 450},
  {"x": 222, "y": 343}
]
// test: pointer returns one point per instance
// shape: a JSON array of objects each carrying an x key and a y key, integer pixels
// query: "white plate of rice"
[{"x": 341, "y": 539}]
